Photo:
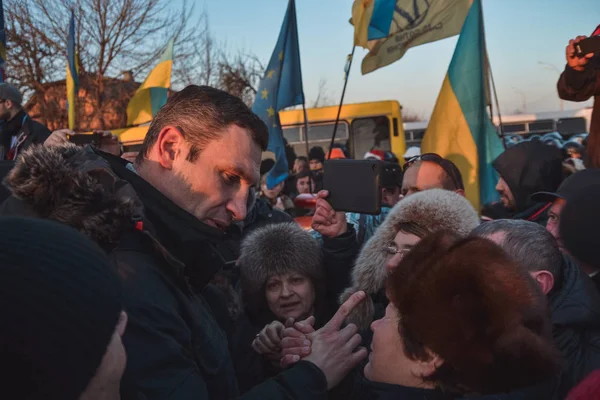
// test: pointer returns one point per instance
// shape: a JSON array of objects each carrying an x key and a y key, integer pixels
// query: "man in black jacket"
[
  {"x": 574, "y": 303},
  {"x": 525, "y": 169},
  {"x": 160, "y": 219},
  {"x": 19, "y": 131}
]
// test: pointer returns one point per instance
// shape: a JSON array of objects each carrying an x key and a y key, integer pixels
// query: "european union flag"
[{"x": 281, "y": 87}]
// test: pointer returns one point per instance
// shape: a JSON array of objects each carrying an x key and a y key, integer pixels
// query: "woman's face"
[
  {"x": 272, "y": 193},
  {"x": 388, "y": 362},
  {"x": 290, "y": 295},
  {"x": 402, "y": 244}
]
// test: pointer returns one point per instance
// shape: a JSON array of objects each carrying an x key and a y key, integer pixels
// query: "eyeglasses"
[
  {"x": 448, "y": 166},
  {"x": 392, "y": 250}
]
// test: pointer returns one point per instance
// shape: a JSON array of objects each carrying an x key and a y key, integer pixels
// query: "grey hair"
[{"x": 528, "y": 243}]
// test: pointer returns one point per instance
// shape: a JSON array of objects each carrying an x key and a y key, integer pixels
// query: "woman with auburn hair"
[{"x": 463, "y": 321}]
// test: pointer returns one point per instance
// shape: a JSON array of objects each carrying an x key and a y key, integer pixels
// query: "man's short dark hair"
[
  {"x": 528, "y": 243},
  {"x": 201, "y": 114}
]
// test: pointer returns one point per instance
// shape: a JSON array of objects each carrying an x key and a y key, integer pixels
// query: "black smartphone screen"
[{"x": 353, "y": 185}]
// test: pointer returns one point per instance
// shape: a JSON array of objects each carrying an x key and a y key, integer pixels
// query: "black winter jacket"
[
  {"x": 576, "y": 324},
  {"x": 527, "y": 168},
  {"x": 165, "y": 257}
]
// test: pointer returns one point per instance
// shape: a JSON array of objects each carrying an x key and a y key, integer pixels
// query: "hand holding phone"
[
  {"x": 84, "y": 139},
  {"x": 587, "y": 46}
]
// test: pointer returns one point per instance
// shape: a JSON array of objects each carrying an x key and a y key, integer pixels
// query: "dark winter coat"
[
  {"x": 576, "y": 324},
  {"x": 382, "y": 391},
  {"x": 527, "y": 168},
  {"x": 165, "y": 257},
  {"x": 580, "y": 86},
  {"x": 27, "y": 131}
]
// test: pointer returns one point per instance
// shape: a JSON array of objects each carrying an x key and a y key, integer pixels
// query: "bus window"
[
  {"x": 324, "y": 132},
  {"x": 292, "y": 134},
  {"x": 571, "y": 126},
  {"x": 368, "y": 133},
  {"x": 542, "y": 126},
  {"x": 514, "y": 128}
]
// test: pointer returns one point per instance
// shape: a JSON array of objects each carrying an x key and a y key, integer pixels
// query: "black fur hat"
[{"x": 277, "y": 249}]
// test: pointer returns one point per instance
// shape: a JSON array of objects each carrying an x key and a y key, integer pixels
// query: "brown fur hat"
[
  {"x": 277, "y": 249},
  {"x": 432, "y": 210},
  {"x": 469, "y": 303}
]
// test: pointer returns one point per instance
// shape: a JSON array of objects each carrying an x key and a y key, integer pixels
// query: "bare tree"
[
  {"x": 323, "y": 98},
  {"x": 112, "y": 36},
  {"x": 240, "y": 75},
  {"x": 411, "y": 116}
]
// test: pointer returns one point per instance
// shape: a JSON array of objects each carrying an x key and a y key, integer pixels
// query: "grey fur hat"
[
  {"x": 433, "y": 210},
  {"x": 276, "y": 249}
]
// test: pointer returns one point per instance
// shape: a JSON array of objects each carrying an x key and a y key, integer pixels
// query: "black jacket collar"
[{"x": 188, "y": 240}]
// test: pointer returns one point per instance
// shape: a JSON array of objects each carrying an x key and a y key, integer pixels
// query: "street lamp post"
[{"x": 554, "y": 68}]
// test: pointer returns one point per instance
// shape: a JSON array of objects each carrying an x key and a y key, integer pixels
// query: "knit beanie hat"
[
  {"x": 579, "y": 222},
  {"x": 61, "y": 302},
  {"x": 316, "y": 153},
  {"x": 432, "y": 211},
  {"x": 276, "y": 249}
]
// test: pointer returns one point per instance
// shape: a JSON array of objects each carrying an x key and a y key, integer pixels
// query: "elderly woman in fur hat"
[
  {"x": 464, "y": 321},
  {"x": 282, "y": 280},
  {"x": 412, "y": 219}
]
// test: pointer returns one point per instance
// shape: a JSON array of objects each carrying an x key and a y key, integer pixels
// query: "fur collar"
[
  {"x": 76, "y": 187},
  {"x": 434, "y": 210}
]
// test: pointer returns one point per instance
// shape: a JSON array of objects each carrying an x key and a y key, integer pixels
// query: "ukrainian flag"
[
  {"x": 2, "y": 43},
  {"x": 460, "y": 128},
  {"x": 280, "y": 87},
  {"x": 72, "y": 73},
  {"x": 152, "y": 95}
]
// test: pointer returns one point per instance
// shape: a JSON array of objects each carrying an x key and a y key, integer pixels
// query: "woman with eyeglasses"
[{"x": 408, "y": 222}]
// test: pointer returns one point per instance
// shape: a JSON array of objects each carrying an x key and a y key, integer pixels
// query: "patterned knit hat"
[{"x": 61, "y": 302}]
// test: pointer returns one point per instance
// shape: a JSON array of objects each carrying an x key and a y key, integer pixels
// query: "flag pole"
[
  {"x": 337, "y": 119},
  {"x": 495, "y": 94},
  {"x": 305, "y": 127}
]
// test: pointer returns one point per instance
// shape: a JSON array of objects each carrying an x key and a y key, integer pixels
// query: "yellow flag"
[{"x": 152, "y": 94}]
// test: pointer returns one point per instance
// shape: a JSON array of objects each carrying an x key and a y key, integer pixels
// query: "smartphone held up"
[{"x": 354, "y": 185}]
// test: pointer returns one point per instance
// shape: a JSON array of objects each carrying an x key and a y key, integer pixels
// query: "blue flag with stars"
[{"x": 280, "y": 87}]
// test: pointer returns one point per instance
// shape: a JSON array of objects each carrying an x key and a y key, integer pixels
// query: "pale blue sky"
[{"x": 520, "y": 34}]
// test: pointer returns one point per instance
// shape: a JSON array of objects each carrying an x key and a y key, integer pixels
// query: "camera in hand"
[
  {"x": 587, "y": 46},
  {"x": 85, "y": 139}
]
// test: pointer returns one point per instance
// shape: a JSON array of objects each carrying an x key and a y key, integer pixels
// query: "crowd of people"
[{"x": 177, "y": 273}]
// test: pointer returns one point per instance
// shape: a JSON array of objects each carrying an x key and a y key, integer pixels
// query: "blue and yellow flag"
[
  {"x": 281, "y": 87},
  {"x": 388, "y": 28},
  {"x": 2, "y": 43},
  {"x": 72, "y": 73},
  {"x": 152, "y": 94},
  {"x": 460, "y": 128}
]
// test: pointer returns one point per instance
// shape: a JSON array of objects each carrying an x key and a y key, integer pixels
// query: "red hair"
[{"x": 469, "y": 303}]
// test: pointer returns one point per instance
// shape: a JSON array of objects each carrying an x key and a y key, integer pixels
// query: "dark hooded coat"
[
  {"x": 165, "y": 257},
  {"x": 527, "y": 168}
]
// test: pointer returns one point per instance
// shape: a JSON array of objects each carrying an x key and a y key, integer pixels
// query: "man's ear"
[
  {"x": 461, "y": 192},
  {"x": 9, "y": 103},
  {"x": 545, "y": 279},
  {"x": 169, "y": 146}
]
